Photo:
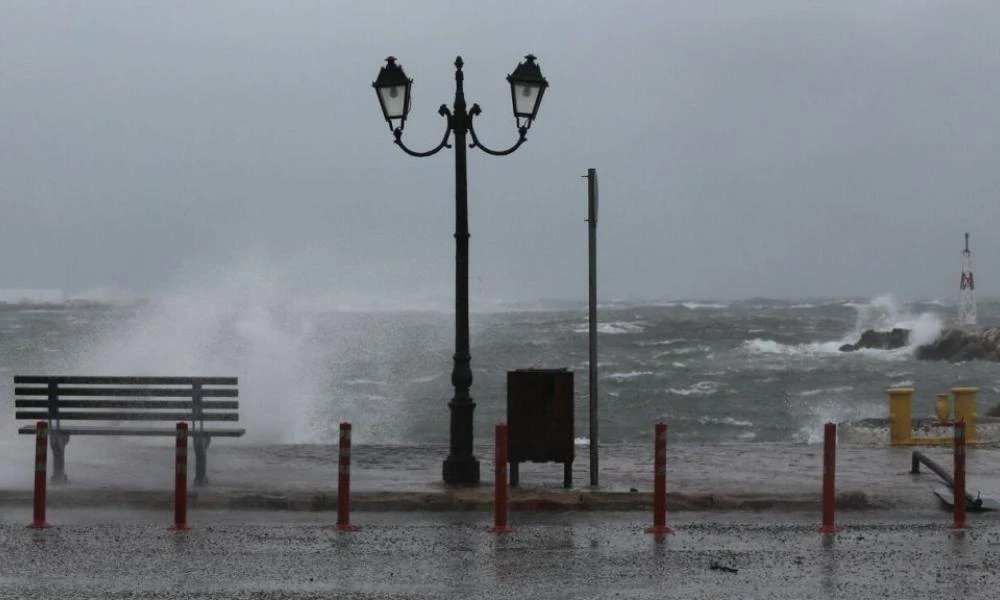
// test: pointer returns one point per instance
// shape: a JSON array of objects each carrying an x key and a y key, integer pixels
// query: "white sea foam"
[
  {"x": 362, "y": 381},
  {"x": 702, "y": 388},
  {"x": 681, "y": 351},
  {"x": 724, "y": 421},
  {"x": 615, "y": 328},
  {"x": 670, "y": 342},
  {"x": 702, "y": 305},
  {"x": 840, "y": 389},
  {"x": 689, "y": 305},
  {"x": 628, "y": 375},
  {"x": 762, "y": 346}
]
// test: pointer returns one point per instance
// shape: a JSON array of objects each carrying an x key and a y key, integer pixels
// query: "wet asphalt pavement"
[{"x": 110, "y": 553}]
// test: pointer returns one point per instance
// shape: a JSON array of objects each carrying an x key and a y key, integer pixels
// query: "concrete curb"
[{"x": 445, "y": 500}]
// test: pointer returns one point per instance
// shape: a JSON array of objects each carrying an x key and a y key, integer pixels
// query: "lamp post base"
[{"x": 461, "y": 470}]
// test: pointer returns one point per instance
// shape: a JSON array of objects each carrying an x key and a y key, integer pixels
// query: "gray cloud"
[{"x": 744, "y": 148}]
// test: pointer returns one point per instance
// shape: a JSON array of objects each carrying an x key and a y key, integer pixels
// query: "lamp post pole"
[
  {"x": 393, "y": 90},
  {"x": 461, "y": 465}
]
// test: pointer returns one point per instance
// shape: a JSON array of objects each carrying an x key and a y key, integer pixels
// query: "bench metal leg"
[
  {"x": 58, "y": 441},
  {"x": 567, "y": 475},
  {"x": 515, "y": 475},
  {"x": 201, "y": 443}
]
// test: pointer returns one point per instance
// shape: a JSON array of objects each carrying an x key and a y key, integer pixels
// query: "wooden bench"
[{"x": 60, "y": 398}]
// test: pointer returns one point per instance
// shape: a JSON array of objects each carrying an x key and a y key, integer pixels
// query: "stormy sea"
[{"x": 750, "y": 371}]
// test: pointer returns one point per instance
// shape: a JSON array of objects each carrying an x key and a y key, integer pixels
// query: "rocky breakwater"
[{"x": 955, "y": 345}]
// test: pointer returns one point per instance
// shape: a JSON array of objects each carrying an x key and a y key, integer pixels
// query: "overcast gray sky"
[{"x": 744, "y": 148}]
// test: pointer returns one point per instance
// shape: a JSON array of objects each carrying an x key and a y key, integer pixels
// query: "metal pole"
[
  {"x": 41, "y": 463},
  {"x": 592, "y": 262},
  {"x": 344, "y": 481},
  {"x": 660, "y": 482},
  {"x": 959, "y": 502},
  {"x": 500, "y": 510},
  {"x": 180, "y": 479},
  {"x": 461, "y": 466},
  {"x": 829, "y": 478}
]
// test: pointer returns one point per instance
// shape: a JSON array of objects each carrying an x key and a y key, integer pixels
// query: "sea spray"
[
  {"x": 255, "y": 334},
  {"x": 926, "y": 329}
]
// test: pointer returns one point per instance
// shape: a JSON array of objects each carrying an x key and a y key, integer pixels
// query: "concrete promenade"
[
  {"x": 745, "y": 521},
  {"x": 101, "y": 553},
  {"x": 136, "y": 473}
]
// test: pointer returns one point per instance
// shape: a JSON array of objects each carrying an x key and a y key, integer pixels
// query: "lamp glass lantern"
[
  {"x": 527, "y": 86},
  {"x": 393, "y": 90}
]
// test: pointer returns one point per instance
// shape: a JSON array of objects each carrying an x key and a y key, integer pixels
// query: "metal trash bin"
[{"x": 540, "y": 419}]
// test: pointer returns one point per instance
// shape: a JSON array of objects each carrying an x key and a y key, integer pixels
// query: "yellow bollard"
[
  {"x": 943, "y": 409},
  {"x": 965, "y": 409},
  {"x": 900, "y": 415}
]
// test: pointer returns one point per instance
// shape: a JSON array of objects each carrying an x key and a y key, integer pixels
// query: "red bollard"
[
  {"x": 829, "y": 477},
  {"x": 660, "y": 482},
  {"x": 959, "y": 514},
  {"x": 41, "y": 464},
  {"x": 180, "y": 480},
  {"x": 500, "y": 489},
  {"x": 344, "y": 481}
]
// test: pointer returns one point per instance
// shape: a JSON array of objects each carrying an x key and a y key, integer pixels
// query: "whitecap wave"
[
  {"x": 762, "y": 346},
  {"x": 615, "y": 328},
  {"x": 702, "y": 388},
  {"x": 884, "y": 313},
  {"x": 670, "y": 342},
  {"x": 681, "y": 351},
  {"x": 724, "y": 421},
  {"x": 840, "y": 389},
  {"x": 703, "y": 305},
  {"x": 628, "y": 375}
]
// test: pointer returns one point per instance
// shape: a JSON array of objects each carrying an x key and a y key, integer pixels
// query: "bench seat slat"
[
  {"x": 146, "y": 392},
  {"x": 150, "y": 404},
  {"x": 117, "y": 380},
  {"x": 127, "y": 416},
  {"x": 30, "y": 429}
]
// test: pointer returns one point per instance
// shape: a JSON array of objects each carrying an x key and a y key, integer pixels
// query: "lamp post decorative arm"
[
  {"x": 521, "y": 137},
  {"x": 444, "y": 112}
]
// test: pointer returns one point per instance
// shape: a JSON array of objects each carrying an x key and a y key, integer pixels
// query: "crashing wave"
[{"x": 952, "y": 344}]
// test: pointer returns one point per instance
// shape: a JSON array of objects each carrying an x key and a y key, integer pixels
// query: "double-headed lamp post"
[{"x": 527, "y": 86}]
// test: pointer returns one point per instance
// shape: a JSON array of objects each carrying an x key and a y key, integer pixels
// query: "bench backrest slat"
[
  {"x": 125, "y": 416},
  {"x": 150, "y": 404},
  {"x": 151, "y": 392},
  {"x": 116, "y": 380},
  {"x": 102, "y": 398}
]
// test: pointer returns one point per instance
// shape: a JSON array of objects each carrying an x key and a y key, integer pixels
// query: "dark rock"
[
  {"x": 880, "y": 340},
  {"x": 954, "y": 345}
]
